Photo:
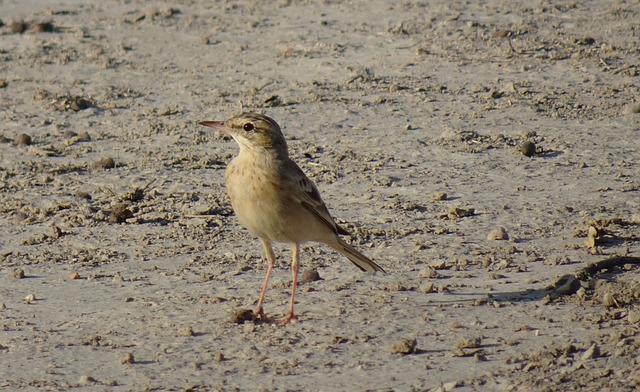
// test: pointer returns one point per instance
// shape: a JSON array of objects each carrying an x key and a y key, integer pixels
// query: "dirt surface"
[{"x": 122, "y": 264}]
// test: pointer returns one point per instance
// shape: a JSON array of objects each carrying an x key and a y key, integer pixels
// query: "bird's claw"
[{"x": 290, "y": 318}]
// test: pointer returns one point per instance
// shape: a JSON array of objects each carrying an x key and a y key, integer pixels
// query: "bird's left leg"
[{"x": 294, "y": 270}]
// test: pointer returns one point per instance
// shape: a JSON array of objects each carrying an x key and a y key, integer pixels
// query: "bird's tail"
[{"x": 361, "y": 261}]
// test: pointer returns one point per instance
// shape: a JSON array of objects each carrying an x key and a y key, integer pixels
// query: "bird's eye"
[{"x": 248, "y": 127}]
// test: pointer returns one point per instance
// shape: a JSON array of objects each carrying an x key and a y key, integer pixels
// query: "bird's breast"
[{"x": 257, "y": 197}]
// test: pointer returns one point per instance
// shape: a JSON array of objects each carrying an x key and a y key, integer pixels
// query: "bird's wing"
[{"x": 309, "y": 197}]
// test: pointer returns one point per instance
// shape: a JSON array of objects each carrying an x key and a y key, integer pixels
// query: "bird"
[{"x": 276, "y": 202}]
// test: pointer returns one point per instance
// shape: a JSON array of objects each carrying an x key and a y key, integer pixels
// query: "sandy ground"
[{"x": 122, "y": 264}]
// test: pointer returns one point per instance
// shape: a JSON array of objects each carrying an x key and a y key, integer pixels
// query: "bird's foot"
[
  {"x": 290, "y": 318},
  {"x": 259, "y": 314}
]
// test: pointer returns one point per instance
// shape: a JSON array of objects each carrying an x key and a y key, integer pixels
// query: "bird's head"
[{"x": 251, "y": 131}]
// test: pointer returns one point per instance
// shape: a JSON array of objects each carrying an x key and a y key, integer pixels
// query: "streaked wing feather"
[{"x": 311, "y": 200}]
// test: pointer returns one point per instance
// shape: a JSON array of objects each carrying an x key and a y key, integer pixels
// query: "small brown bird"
[{"x": 275, "y": 200}]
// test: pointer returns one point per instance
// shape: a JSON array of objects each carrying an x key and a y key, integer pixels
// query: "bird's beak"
[{"x": 219, "y": 125}]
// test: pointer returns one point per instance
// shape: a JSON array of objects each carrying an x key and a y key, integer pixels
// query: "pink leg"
[
  {"x": 271, "y": 260},
  {"x": 294, "y": 270}
]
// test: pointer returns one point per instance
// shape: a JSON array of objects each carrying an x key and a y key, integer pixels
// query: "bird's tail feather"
[{"x": 361, "y": 261}]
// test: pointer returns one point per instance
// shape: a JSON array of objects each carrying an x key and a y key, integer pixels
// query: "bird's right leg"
[{"x": 271, "y": 260}]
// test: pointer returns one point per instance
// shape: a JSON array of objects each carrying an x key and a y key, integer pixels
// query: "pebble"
[
  {"x": 502, "y": 33},
  {"x": 86, "y": 379},
  {"x": 18, "y": 273},
  {"x": 404, "y": 346},
  {"x": 592, "y": 352},
  {"x": 74, "y": 275},
  {"x": 439, "y": 196},
  {"x": 29, "y": 299},
  {"x": 186, "y": 331},
  {"x": 44, "y": 27},
  {"x": 242, "y": 315},
  {"x": 120, "y": 213},
  {"x": 308, "y": 276},
  {"x": 427, "y": 288},
  {"x": 84, "y": 136},
  {"x": 79, "y": 103},
  {"x": 457, "y": 212},
  {"x": 474, "y": 342},
  {"x": 69, "y": 134},
  {"x": 83, "y": 195},
  {"x": 498, "y": 234},
  {"x": 448, "y": 386},
  {"x": 18, "y": 26},
  {"x": 633, "y": 316},
  {"x": 23, "y": 140},
  {"x": 127, "y": 359},
  {"x": 631, "y": 108},
  {"x": 528, "y": 149},
  {"x": 429, "y": 273},
  {"x": 609, "y": 300},
  {"x": 104, "y": 163}
]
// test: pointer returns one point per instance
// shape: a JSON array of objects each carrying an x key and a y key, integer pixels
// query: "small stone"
[
  {"x": 609, "y": 301},
  {"x": 69, "y": 134},
  {"x": 44, "y": 27},
  {"x": 83, "y": 195},
  {"x": 84, "y": 136},
  {"x": 468, "y": 343},
  {"x": 528, "y": 149},
  {"x": 104, "y": 163},
  {"x": 18, "y": 26},
  {"x": 86, "y": 379},
  {"x": 632, "y": 108},
  {"x": 219, "y": 357},
  {"x": 308, "y": 276},
  {"x": 585, "y": 41},
  {"x": 427, "y": 288},
  {"x": 593, "y": 235},
  {"x": 498, "y": 234},
  {"x": 23, "y": 140},
  {"x": 449, "y": 386},
  {"x": 592, "y": 352},
  {"x": 439, "y": 265},
  {"x": 127, "y": 359},
  {"x": 18, "y": 273},
  {"x": 581, "y": 293},
  {"x": 242, "y": 315},
  {"x": 20, "y": 216},
  {"x": 79, "y": 103},
  {"x": 186, "y": 331},
  {"x": 74, "y": 276},
  {"x": 429, "y": 273},
  {"x": 120, "y": 213},
  {"x": 502, "y": 33},
  {"x": 29, "y": 299},
  {"x": 457, "y": 212},
  {"x": 404, "y": 346},
  {"x": 633, "y": 317},
  {"x": 439, "y": 196}
]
